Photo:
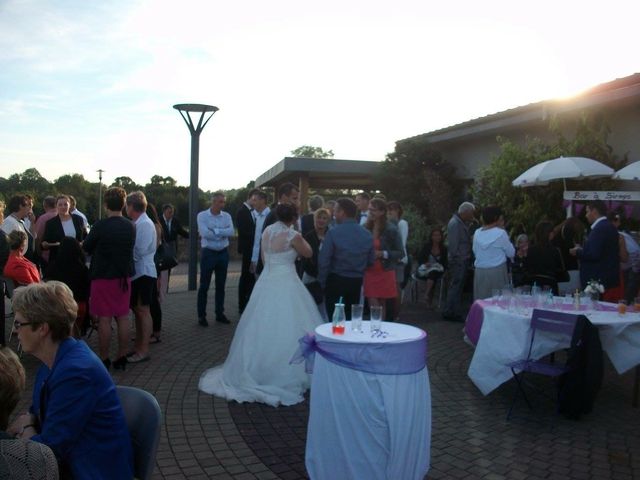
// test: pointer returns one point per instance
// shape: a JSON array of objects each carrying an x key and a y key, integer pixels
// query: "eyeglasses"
[{"x": 18, "y": 324}]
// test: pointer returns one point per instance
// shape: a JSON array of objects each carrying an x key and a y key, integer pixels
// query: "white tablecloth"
[
  {"x": 365, "y": 425},
  {"x": 505, "y": 337}
]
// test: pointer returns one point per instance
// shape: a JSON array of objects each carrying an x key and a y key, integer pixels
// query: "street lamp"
[
  {"x": 100, "y": 172},
  {"x": 185, "y": 110}
]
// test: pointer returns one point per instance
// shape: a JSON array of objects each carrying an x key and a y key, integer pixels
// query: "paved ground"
[{"x": 206, "y": 437}]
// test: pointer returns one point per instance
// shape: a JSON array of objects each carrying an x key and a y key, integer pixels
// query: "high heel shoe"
[
  {"x": 120, "y": 363},
  {"x": 107, "y": 363}
]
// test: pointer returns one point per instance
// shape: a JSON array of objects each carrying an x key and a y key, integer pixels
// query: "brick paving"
[{"x": 206, "y": 437}]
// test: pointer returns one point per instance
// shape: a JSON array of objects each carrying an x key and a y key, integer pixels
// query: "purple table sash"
[
  {"x": 384, "y": 358},
  {"x": 475, "y": 317}
]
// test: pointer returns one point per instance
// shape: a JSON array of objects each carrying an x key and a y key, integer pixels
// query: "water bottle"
[{"x": 338, "y": 321}]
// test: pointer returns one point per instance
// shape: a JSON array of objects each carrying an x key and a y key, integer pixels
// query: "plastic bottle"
[
  {"x": 576, "y": 300},
  {"x": 338, "y": 322}
]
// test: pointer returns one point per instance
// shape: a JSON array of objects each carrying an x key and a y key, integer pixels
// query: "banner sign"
[{"x": 584, "y": 196}]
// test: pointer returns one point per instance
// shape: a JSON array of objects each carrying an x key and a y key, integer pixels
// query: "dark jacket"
[
  {"x": 171, "y": 235},
  {"x": 246, "y": 230},
  {"x": 600, "y": 256},
  {"x": 53, "y": 232},
  {"x": 542, "y": 265},
  {"x": 310, "y": 265},
  {"x": 391, "y": 243},
  {"x": 110, "y": 244},
  {"x": 306, "y": 223}
]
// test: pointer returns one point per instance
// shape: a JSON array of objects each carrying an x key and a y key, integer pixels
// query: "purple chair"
[{"x": 561, "y": 323}]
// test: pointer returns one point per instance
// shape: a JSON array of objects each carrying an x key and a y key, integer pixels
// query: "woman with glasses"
[
  {"x": 379, "y": 282},
  {"x": 75, "y": 408}
]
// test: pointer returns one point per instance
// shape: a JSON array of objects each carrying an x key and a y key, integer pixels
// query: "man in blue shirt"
[
  {"x": 347, "y": 250},
  {"x": 215, "y": 227}
]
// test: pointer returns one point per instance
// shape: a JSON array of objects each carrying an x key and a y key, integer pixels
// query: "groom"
[{"x": 347, "y": 250}]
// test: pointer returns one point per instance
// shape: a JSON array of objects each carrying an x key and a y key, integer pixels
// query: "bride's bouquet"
[{"x": 594, "y": 286}]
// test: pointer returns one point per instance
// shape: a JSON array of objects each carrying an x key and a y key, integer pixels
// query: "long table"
[{"x": 501, "y": 336}]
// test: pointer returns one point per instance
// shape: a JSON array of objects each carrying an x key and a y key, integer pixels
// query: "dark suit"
[
  {"x": 306, "y": 223},
  {"x": 54, "y": 232},
  {"x": 170, "y": 235},
  {"x": 600, "y": 256},
  {"x": 246, "y": 231}
]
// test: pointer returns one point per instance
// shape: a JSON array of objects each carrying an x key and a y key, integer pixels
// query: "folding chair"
[
  {"x": 558, "y": 323},
  {"x": 414, "y": 287},
  {"x": 144, "y": 419}
]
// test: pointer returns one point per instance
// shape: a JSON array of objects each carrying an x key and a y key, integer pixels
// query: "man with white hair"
[{"x": 459, "y": 250}]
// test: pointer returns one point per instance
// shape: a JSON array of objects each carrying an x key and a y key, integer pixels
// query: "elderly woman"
[
  {"x": 18, "y": 268},
  {"x": 380, "y": 279},
  {"x": 75, "y": 408},
  {"x": 491, "y": 247},
  {"x": 518, "y": 270},
  {"x": 62, "y": 225},
  {"x": 19, "y": 458}
]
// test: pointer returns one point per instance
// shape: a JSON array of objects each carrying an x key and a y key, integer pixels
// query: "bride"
[{"x": 279, "y": 312}]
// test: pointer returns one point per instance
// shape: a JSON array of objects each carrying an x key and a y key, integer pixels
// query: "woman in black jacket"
[
  {"x": 544, "y": 261},
  {"x": 62, "y": 225}
]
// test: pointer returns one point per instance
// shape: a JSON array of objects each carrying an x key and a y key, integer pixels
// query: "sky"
[{"x": 91, "y": 85}]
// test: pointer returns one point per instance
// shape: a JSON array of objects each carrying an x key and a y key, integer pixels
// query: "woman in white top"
[{"x": 491, "y": 247}]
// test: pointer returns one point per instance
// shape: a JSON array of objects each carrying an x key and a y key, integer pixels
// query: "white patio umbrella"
[
  {"x": 561, "y": 169},
  {"x": 630, "y": 172}
]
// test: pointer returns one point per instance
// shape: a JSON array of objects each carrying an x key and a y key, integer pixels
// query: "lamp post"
[
  {"x": 100, "y": 172},
  {"x": 185, "y": 110}
]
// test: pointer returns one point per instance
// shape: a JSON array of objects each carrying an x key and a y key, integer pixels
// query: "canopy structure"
[
  {"x": 562, "y": 168},
  {"x": 630, "y": 172},
  {"x": 320, "y": 173}
]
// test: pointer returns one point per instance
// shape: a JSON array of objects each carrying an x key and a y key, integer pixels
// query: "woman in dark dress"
[
  {"x": 70, "y": 268},
  {"x": 434, "y": 253},
  {"x": 544, "y": 261}
]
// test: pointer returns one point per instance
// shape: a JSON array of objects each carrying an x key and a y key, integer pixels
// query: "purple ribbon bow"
[{"x": 401, "y": 358}]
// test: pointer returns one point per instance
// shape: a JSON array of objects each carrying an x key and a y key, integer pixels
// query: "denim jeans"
[{"x": 212, "y": 261}]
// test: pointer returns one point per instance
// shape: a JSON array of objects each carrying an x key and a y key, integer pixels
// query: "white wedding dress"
[{"x": 279, "y": 312}]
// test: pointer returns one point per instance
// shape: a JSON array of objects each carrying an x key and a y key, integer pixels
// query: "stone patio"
[{"x": 206, "y": 437}]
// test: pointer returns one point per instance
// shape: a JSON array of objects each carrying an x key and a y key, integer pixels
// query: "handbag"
[
  {"x": 165, "y": 257},
  {"x": 315, "y": 289}
]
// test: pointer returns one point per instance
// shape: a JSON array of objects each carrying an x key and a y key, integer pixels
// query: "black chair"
[{"x": 560, "y": 324}]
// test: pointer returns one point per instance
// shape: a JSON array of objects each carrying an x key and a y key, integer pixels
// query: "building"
[{"x": 470, "y": 145}]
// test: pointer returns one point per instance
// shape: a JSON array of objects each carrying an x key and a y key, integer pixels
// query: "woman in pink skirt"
[
  {"x": 110, "y": 244},
  {"x": 380, "y": 278}
]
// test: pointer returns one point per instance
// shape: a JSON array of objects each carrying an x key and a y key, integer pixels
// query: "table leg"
[{"x": 636, "y": 387}]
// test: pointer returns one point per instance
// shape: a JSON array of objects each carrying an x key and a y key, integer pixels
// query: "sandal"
[
  {"x": 154, "y": 338},
  {"x": 137, "y": 358}
]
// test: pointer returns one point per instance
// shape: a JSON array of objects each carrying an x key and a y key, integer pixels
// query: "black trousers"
[
  {"x": 246, "y": 283},
  {"x": 346, "y": 287}
]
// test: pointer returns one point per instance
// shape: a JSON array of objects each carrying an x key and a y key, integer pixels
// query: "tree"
[
  {"x": 127, "y": 183},
  {"x": 525, "y": 207},
  {"x": 311, "y": 152},
  {"x": 417, "y": 174}
]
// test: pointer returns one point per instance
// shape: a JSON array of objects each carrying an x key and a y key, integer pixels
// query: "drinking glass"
[
  {"x": 495, "y": 295},
  {"x": 636, "y": 304},
  {"x": 356, "y": 317},
  {"x": 376, "y": 318},
  {"x": 622, "y": 307}
]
